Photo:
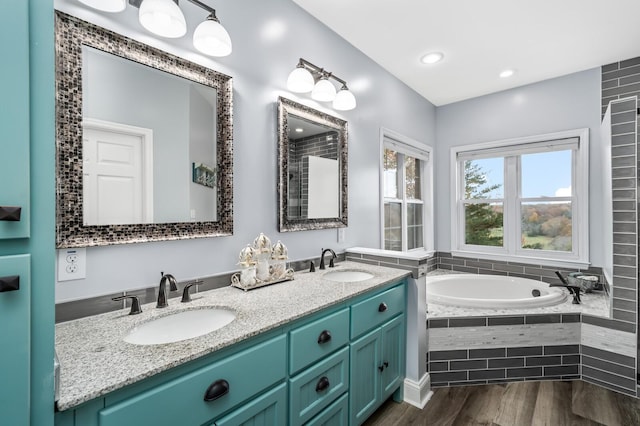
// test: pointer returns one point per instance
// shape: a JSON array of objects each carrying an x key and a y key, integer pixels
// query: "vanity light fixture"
[
  {"x": 165, "y": 19},
  {"x": 307, "y": 77}
]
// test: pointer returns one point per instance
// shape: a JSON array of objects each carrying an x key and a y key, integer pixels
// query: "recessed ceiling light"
[
  {"x": 507, "y": 73},
  {"x": 299, "y": 130},
  {"x": 432, "y": 58}
]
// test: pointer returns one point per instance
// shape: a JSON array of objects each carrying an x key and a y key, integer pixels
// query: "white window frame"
[
  {"x": 405, "y": 145},
  {"x": 513, "y": 148}
]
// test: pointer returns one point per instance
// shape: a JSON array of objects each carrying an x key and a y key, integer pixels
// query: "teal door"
[
  {"x": 392, "y": 356},
  {"x": 365, "y": 376}
]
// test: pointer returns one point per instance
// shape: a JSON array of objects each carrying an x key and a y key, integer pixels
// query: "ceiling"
[{"x": 540, "y": 39}]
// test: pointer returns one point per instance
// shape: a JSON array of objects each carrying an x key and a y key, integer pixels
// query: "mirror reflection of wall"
[
  {"x": 131, "y": 179},
  {"x": 314, "y": 185}
]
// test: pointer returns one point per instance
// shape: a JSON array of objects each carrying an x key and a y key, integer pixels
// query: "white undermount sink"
[
  {"x": 347, "y": 276},
  {"x": 182, "y": 325}
]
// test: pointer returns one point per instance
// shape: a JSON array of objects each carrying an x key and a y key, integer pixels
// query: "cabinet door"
[
  {"x": 365, "y": 376},
  {"x": 15, "y": 355},
  {"x": 393, "y": 356},
  {"x": 268, "y": 410},
  {"x": 14, "y": 120}
]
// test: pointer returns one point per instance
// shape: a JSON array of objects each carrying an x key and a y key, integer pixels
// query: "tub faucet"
[
  {"x": 573, "y": 290},
  {"x": 162, "y": 291},
  {"x": 333, "y": 256}
]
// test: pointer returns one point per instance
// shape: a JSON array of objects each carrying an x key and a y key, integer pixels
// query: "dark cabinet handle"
[
  {"x": 323, "y": 384},
  {"x": 386, "y": 364},
  {"x": 216, "y": 390},
  {"x": 381, "y": 368},
  {"x": 324, "y": 337},
  {"x": 10, "y": 283},
  {"x": 382, "y": 307},
  {"x": 10, "y": 213}
]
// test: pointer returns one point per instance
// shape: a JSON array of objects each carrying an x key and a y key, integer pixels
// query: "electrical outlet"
[{"x": 72, "y": 264}]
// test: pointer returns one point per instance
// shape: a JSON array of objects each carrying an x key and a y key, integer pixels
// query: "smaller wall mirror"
[{"x": 312, "y": 156}]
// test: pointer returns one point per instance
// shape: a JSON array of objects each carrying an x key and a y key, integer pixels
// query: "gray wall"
[
  {"x": 563, "y": 103},
  {"x": 268, "y": 38}
]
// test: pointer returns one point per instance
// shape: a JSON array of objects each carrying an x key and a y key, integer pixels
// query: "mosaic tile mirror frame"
[{"x": 71, "y": 35}]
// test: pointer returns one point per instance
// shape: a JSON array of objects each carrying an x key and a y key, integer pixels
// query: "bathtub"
[{"x": 491, "y": 291}]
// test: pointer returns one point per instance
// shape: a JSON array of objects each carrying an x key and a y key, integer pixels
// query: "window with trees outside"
[
  {"x": 406, "y": 196},
  {"x": 524, "y": 198}
]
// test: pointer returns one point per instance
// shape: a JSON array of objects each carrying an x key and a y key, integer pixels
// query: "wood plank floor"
[{"x": 545, "y": 403}]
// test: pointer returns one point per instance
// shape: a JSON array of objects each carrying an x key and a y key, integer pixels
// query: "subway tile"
[
  {"x": 628, "y": 63},
  {"x": 622, "y": 90},
  {"x": 625, "y": 282},
  {"x": 506, "y": 320},
  {"x": 543, "y": 319},
  {"x": 475, "y": 364},
  {"x": 524, "y": 372},
  {"x": 487, "y": 374},
  {"x": 445, "y": 267},
  {"x": 624, "y": 271},
  {"x": 478, "y": 264},
  {"x": 622, "y": 304},
  {"x": 630, "y": 82},
  {"x": 570, "y": 359},
  {"x": 618, "y": 129},
  {"x": 492, "y": 272},
  {"x": 608, "y": 323},
  {"x": 610, "y": 83},
  {"x": 524, "y": 351},
  {"x": 506, "y": 362},
  {"x": 452, "y": 261},
  {"x": 438, "y": 366},
  {"x": 367, "y": 262},
  {"x": 468, "y": 322},
  {"x": 626, "y": 116},
  {"x": 568, "y": 318},
  {"x": 447, "y": 355},
  {"x": 609, "y": 367},
  {"x": 408, "y": 262},
  {"x": 608, "y": 356},
  {"x": 623, "y": 226},
  {"x": 561, "y": 370},
  {"x": 624, "y": 315},
  {"x": 438, "y": 323},
  {"x": 487, "y": 353},
  {"x": 624, "y": 260},
  {"x": 443, "y": 254},
  {"x": 457, "y": 376},
  {"x": 380, "y": 258},
  {"x": 603, "y": 376},
  {"x": 464, "y": 269},
  {"x": 617, "y": 151},
  {"x": 606, "y": 385},
  {"x": 626, "y": 139},
  {"x": 629, "y": 249},
  {"x": 627, "y": 105},
  {"x": 468, "y": 383},
  {"x": 625, "y": 293},
  {"x": 623, "y": 172},
  {"x": 508, "y": 268},
  {"x": 533, "y": 361},
  {"x": 561, "y": 349},
  {"x": 610, "y": 67}
]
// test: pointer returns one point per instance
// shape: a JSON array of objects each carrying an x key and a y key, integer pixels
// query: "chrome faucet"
[
  {"x": 162, "y": 291},
  {"x": 333, "y": 256}
]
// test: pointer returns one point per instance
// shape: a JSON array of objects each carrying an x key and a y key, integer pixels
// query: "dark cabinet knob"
[
  {"x": 323, "y": 384},
  {"x": 381, "y": 368},
  {"x": 10, "y": 283},
  {"x": 10, "y": 213},
  {"x": 217, "y": 389},
  {"x": 386, "y": 364},
  {"x": 382, "y": 307},
  {"x": 324, "y": 337}
]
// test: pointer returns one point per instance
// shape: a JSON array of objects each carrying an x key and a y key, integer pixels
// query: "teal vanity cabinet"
[
  {"x": 27, "y": 184},
  {"x": 377, "y": 351},
  {"x": 312, "y": 371}
]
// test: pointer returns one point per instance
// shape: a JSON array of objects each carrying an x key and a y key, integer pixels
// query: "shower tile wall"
[{"x": 323, "y": 145}]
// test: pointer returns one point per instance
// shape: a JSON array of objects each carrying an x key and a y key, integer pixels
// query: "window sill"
[{"x": 569, "y": 264}]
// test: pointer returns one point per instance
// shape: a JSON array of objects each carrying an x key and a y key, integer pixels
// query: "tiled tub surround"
[{"x": 95, "y": 360}]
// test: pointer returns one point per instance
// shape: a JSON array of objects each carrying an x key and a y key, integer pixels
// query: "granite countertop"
[
  {"x": 95, "y": 360},
  {"x": 592, "y": 303}
]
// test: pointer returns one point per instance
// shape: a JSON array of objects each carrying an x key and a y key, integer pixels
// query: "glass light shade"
[
  {"x": 163, "y": 18},
  {"x": 324, "y": 91},
  {"x": 212, "y": 39},
  {"x": 300, "y": 81},
  {"x": 111, "y": 6},
  {"x": 344, "y": 100}
]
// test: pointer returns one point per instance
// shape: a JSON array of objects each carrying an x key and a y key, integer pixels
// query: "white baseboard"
[{"x": 418, "y": 394}]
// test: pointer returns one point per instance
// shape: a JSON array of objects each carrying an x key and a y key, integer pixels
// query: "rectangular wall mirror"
[
  {"x": 144, "y": 142},
  {"x": 312, "y": 156}
]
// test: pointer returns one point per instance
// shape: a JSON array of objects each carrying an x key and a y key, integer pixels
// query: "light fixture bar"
[
  {"x": 318, "y": 70},
  {"x": 137, "y": 3}
]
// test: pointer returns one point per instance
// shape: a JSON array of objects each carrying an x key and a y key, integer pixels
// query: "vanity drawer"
[
  {"x": 337, "y": 414},
  {"x": 374, "y": 311},
  {"x": 247, "y": 373},
  {"x": 318, "y": 339},
  {"x": 315, "y": 388}
]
